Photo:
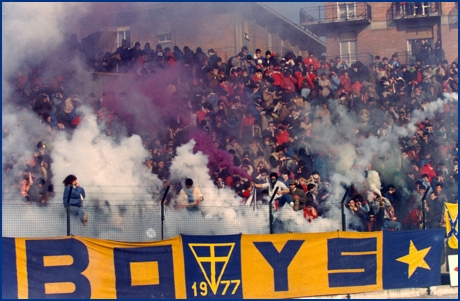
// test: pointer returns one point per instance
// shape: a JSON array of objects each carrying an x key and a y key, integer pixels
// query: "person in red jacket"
[
  {"x": 429, "y": 171},
  {"x": 345, "y": 81},
  {"x": 311, "y": 60},
  {"x": 356, "y": 87},
  {"x": 278, "y": 77},
  {"x": 282, "y": 136},
  {"x": 414, "y": 219},
  {"x": 288, "y": 86},
  {"x": 257, "y": 77}
]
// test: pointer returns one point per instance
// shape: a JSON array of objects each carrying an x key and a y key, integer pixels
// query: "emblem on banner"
[{"x": 213, "y": 260}]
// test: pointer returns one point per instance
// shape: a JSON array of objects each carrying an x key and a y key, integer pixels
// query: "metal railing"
[
  {"x": 331, "y": 12},
  {"x": 415, "y": 9},
  {"x": 405, "y": 57},
  {"x": 139, "y": 223},
  {"x": 365, "y": 58},
  {"x": 152, "y": 222}
]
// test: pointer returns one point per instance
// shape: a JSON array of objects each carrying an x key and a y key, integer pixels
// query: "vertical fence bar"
[
  {"x": 424, "y": 219},
  {"x": 68, "y": 210},
  {"x": 423, "y": 208},
  {"x": 68, "y": 218},
  {"x": 270, "y": 210},
  {"x": 342, "y": 208},
  {"x": 163, "y": 212}
]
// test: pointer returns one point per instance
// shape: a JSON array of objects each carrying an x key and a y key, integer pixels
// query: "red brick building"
[
  {"x": 362, "y": 30},
  {"x": 225, "y": 27}
]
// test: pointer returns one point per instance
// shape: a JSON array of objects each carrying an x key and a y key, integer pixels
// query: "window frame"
[
  {"x": 348, "y": 13},
  {"x": 351, "y": 56},
  {"x": 125, "y": 31}
]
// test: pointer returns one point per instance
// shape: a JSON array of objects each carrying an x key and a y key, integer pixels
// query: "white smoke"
[
  {"x": 111, "y": 169},
  {"x": 106, "y": 169}
]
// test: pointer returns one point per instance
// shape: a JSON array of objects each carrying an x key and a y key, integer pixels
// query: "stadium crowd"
[{"x": 272, "y": 115}]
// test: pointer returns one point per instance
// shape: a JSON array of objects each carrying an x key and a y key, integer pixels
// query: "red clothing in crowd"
[
  {"x": 288, "y": 84},
  {"x": 247, "y": 121},
  {"x": 200, "y": 115},
  {"x": 429, "y": 170},
  {"x": 310, "y": 213},
  {"x": 278, "y": 77},
  {"x": 346, "y": 83},
  {"x": 256, "y": 79},
  {"x": 444, "y": 150},
  {"x": 282, "y": 137},
  {"x": 356, "y": 88},
  {"x": 311, "y": 61},
  {"x": 414, "y": 218}
]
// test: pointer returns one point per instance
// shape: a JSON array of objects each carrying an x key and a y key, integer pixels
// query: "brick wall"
[
  {"x": 212, "y": 28},
  {"x": 446, "y": 7},
  {"x": 385, "y": 41},
  {"x": 449, "y": 40},
  {"x": 380, "y": 10},
  {"x": 216, "y": 32},
  {"x": 382, "y": 42}
]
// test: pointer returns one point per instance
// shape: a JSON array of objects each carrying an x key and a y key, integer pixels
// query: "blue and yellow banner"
[
  {"x": 221, "y": 267},
  {"x": 412, "y": 258},
  {"x": 451, "y": 220}
]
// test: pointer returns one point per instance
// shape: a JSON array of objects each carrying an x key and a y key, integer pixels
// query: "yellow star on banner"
[{"x": 415, "y": 259}]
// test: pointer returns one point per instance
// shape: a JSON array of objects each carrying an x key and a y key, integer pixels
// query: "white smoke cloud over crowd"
[
  {"x": 112, "y": 169},
  {"x": 107, "y": 170}
]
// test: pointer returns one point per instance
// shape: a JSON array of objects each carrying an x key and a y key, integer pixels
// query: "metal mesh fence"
[
  {"x": 217, "y": 220},
  {"x": 141, "y": 223}
]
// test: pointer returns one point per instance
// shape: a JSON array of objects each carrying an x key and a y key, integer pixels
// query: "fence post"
[
  {"x": 342, "y": 208},
  {"x": 68, "y": 210},
  {"x": 423, "y": 207},
  {"x": 162, "y": 206},
  {"x": 270, "y": 210},
  {"x": 68, "y": 219}
]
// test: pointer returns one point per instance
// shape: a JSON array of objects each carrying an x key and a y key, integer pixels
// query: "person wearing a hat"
[
  {"x": 296, "y": 197},
  {"x": 270, "y": 59}
]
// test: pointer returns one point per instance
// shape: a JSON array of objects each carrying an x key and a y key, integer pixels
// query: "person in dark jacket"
[
  {"x": 178, "y": 54},
  {"x": 212, "y": 60},
  {"x": 74, "y": 196},
  {"x": 37, "y": 192},
  {"x": 199, "y": 57},
  {"x": 296, "y": 197},
  {"x": 188, "y": 56},
  {"x": 125, "y": 55}
]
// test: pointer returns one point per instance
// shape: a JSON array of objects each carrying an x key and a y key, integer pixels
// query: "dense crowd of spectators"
[{"x": 272, "y": 115}]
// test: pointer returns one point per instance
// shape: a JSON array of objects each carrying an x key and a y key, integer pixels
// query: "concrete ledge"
[
  {"x": 443, "y": 290},
  {"x": 396, "y": 293}
]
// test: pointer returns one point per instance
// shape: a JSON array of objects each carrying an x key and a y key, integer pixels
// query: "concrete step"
[{"x": 441, "y": 290}]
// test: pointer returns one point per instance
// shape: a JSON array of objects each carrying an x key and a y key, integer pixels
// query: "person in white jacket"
[{"x": 189, "y": 196}]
